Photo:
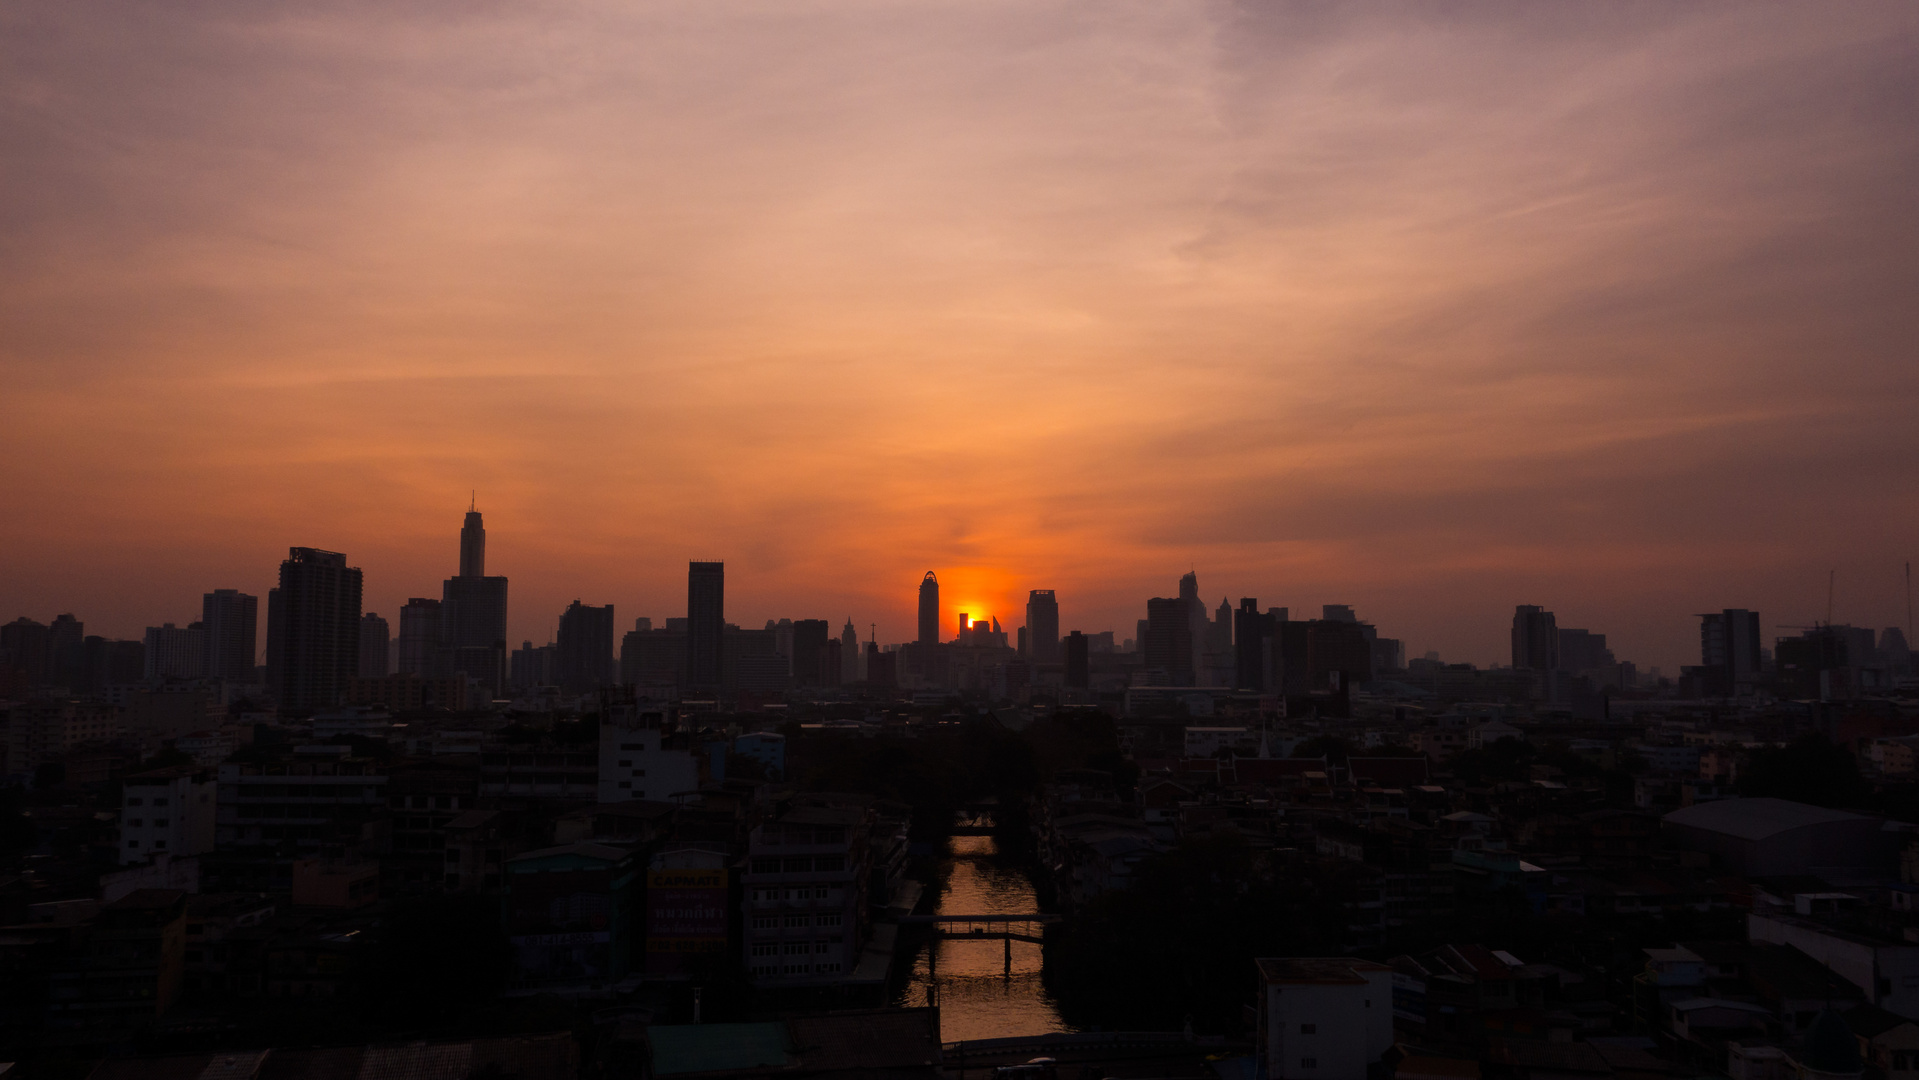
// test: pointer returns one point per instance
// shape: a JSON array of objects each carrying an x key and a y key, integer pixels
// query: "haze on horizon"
[{"x": 1427, "y": 310}]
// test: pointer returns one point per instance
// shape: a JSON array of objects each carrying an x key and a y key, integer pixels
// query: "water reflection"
[{"x": 977, "y": 999}]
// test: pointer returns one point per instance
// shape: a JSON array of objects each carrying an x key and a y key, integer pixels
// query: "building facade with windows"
[
  {"x": 805, "y": 892},
  {"x": 166, "y": 812}
]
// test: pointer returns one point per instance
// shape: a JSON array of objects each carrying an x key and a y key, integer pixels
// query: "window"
[
  {"x": 626, "y": 764},
  {"x": 632, "y": 746},
  {"x": 639, "y": 772},
  {"x": 1309, "y": 1063},
  {"x": 159, "y": 843},
  {"x": 831, "y": 918},
  {"x": 626, "y": 783},
  {"x": 796, "y": 969},
  {"x": 135, "y": 823},
  {"x": 764, "y": 969},
  {"x": 133, "y": 843},
  {"x": 159, "y": 823},
  {"x": 798, "y": 948},
  {"x": 766, "y": 922},
  {"x": 766, "y": 948},
  {"x": 800, "y": 865},
  {"x": 1309, "y": 1029},
  {"x": 829, "y": 863},
  {"x": 827, "y": 968},
  {"x": 159, "y": 802},
  {"x": 822, "y": 946},
  {"x": 766, "y": 866},
  {"x": 799, "y": 920},
  {"x": 134, "y": 802}
]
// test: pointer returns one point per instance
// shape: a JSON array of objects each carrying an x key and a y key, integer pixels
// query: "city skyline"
[{"x": 1429, "y": 312}]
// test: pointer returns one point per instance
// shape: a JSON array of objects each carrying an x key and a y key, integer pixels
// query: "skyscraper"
[
  {"x": 585, "y": 659},
  {"x": 231, "y": 618},
  {"x": 420, "y": 637},
  {"x": 809, "y": 652},
  {"x": 850, "y": 653},
  {"x": 1077, "y": 675},
  {"x": 929, "y": 610},
  {"x": 1255, "y": 659},
  {"x": 705, "y": 625},
  {"x": 1042, "y": 626},
  {"x": 66, "y": 652},
  {"x": 313, "y": 629},
  {"x": 1729, "y": 647},
  {"x": 473, "y": 545},
  {"x": 374, "y": 638},
  {"x": 176, "y": 652},
  {"x": 1535, "y": 638},
  {"x": 1169, "y": 639},
  {"x": 473, "y": 613}
]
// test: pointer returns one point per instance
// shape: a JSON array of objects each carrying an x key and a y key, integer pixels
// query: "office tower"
[
  {"x": 929, "y": 610},
  {"x": 532, "y": 667},
  {"x": 112, "y": 663},
  {"x": 420, "y": 638},
  {"x": 585, "y": 659},
  {"x": 1337, "y": 613},
  {"x": 849, "y": 653},
  {"x": 1077, "y": 674},
  {"x": 705, "y": 625},
  {"x": 654, "y": 661},
  {"x": 809, "y": 651},
  {"x": 1169, "y": 639},
  {"x": 1535, "y": 638},
  {"x": 1196, "y": 620},
  {"x": 882, "y": 668},
  {"x": 831, "y": 663},
  {"x": 313, "y": 629},
  {"x": 374, "y": 638},
  {"x": 473, "y": 613},
  {"x": 1729, "y": 647},
  {"x": 1254, "y": 658},
  {"x": 473, "y": 545},
  {"x": 1583, "y": 650},
  {"x": 176, "y": 652},
  {"x": 1042, "y": 627},
  {"x": 66, "y": 645},
  {"x": 231, "y": 618},
  {"x": 23, "y": 655}
]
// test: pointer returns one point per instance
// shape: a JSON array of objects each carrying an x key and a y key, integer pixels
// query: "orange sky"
[{"x": 1426, "y": 311}]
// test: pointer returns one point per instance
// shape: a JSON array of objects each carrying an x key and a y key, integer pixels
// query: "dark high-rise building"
[
  {"x": 112, "y": 663},
  {"x": 1169, "y": 639},
  {"x": 705, "y": 626},
  {"x": 1583, "y": 650},
  {"x": 374, "y": 638},
  {"x": 313, "y": 629},
  {"x": 420, "y": 638},
  {"x": 473, "y": 545},
  {"x": 176, "y": 652},
  {"x": 653, "y": 661},
  {"x": 1255, "y": 661},
  {"x": 66, "y": 652},
  {"x": 929, "y": 610},
  {"x": 231, "y": 618},
  {"x": 1729, "y": 649},
  {"x": 532, "y": 667},
  {"x": 809, "y": 653},
  {"x": 849, "y": 653},
  {"x": 585, "y": 659},
  {"x": 882, "y": 668},
  {"x": 23, "y": 654},
  {"x": 1042, "y": 627},
  {"x": 1077, "y": 674},
  {"x": 473, "y": 613},
  {"x": 1535, "y": 638}
]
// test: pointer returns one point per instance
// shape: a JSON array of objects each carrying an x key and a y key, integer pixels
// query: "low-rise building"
[
  {"x": 166, "y": 812},
  {"x": 805, "y": 886},
  {"x": 1323, "y": 1018}
]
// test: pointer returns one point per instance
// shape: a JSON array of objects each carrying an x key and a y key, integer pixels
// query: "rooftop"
[
  {"x": 1757, "y": 819},
  {"x": 1324, "y": 970}
]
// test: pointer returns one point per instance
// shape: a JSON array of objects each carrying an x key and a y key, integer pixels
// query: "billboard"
[{"x": 686, "y": 914}]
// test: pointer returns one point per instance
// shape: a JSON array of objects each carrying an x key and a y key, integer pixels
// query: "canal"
[{"x": 976, "y": 997}]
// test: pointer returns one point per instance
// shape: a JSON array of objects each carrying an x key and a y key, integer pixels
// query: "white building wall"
[
  {"x": 174, "y": 817},
  {"x": 1319, "y": 1031},
  {"x": 634, "y": 766}
]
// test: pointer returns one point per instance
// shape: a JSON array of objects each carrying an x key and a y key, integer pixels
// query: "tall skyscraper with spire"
[
  {"x": 929, "y": 610},
  {"x": 473, "y": 613},
  {"x": 850, "y": 654}
]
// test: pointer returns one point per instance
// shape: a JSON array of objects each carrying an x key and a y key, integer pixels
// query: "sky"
[{"x": 1429, "y": 309}]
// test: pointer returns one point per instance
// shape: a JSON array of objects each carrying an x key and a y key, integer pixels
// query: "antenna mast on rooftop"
[{"x": 1832, "y": 578}]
